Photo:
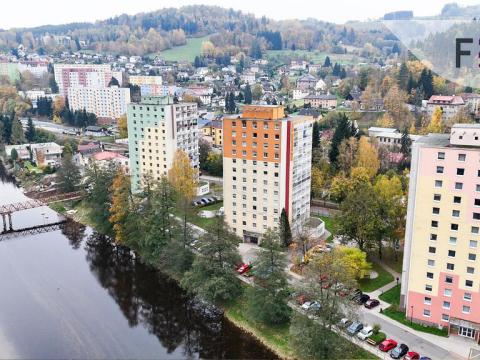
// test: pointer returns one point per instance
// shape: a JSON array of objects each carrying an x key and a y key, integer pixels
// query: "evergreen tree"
[
  {"x": 31, "y": 132},
  {"x": 285, "y": 232},
  {"x": 426, "y": 81},
  {"x": 68, "y": 175},
  {"x": 410, "y": 84},
  {"x": 316, "y": 135},
  {"x": 231, "y": 103},
  {"x": 248, "y": 94},
  {"x": 268, "y": 300},
  {"x": 344, "y": 130},
  {"x": 18, "y": 136},
  {"x": 327, "y": 62},
  {"x": 403, "y": 76}
]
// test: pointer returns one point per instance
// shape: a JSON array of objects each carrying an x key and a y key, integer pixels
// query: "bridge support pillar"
[
  {"x": 10, "y": 225},
  {"x": 4, "y": 221}
]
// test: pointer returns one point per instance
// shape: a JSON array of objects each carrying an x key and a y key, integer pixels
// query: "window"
[
  {"x": 455, "y": 213},
  {"x": 451, "y": 253},
  {"x": 452, "y": 240},
  {"x": 446, "y": 305},
  {"x": 474, "y": 229},
  {"x": 437, "y": 197},
  {"x": 470, "y": 270},
  {"x": 473, "y": 243},
  {"x": 458, "y": 186},
  {"x": 467, "y": 296},
  {"x": 433, "y": 237},
  {"x": 448, "y": 279},
  {"x": 434, "y": 224},
  {"x": 445, "y": 317},
  {"x": 441, "y": 155},
  {"x": 472, "y": 257},
  {"x": 432, "y": 249},
  {"x": 426, "y": 312},
  {"x": 469, "y": 283},
  {"x": 454, "y": 227},
  {"x": 461, "y": 157},
  {"x": 460, "y": 171},
  {"x": 436, "y": 210},
  {"x": 450, "y": 266},
  {"x": 429, "y": 275},
  {"x": 431, "y": 262},
  {"x": 440, "y": 169},
  {"x": 457, "y": 200},
  {"x": 438, "y": 183},
  {"x": 427, "y": 300},
  {"x": 476, "y": 216},
  {"x": 466, "y": 309},
  {"x": 447, "y": 292},
  {"x": 477, "y": 202},
  {"x": 428, "y": 287}
]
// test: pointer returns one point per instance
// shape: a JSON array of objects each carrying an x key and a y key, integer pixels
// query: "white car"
[
  {"x": 365, "y": 333},
  {"x": 306, "y": 305}
]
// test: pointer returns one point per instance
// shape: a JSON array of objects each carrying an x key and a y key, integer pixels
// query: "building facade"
[
  {"x": 266, "y": 168},
  {"x": 321, "y": 101},
  {"x": 450, "y": 105},
  {"x": 440, "y": 281},
  {"x": 157, "y": 127},
  {"x": 149, "y": 85},
  {"x": 107, "y": 103},
  {"x": 84, "y": 75},
  {"x": 214, "y": 131}
]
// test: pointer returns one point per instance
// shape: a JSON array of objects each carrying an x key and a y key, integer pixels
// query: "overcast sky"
[{"x": 26, "y": 13}]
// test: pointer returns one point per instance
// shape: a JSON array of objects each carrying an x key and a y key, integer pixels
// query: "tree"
[
  {"x": 342, "y": 186},
  {"x": 395, "y": 100},
  {"x": 213, "y": 275},
  {"x": 123, "y": 127},
  {"x": 18, "y": 136},
  {"x": 386, "y": 121},
  {"x": 403, "y": 75},
  {"x": 120, "y": 207},
  {"x": 248, "y": 94},
  {"x": 268, "y": 299},
  {"x": 316, "y": 135},
  {"x": 343, "y": 130},
  {"x": 435, "y": 125},
  {"x": 285, "y": 231},
  {"x": 231, "y": 103},
  {"x": 327, "y": 62},
  {"x": 214, "y": 164},
  {"x": 347, "y": 153},
  {"x": 367, "y": 156},
  {"x": 208, "y": 49},
  {"x": 204, "y": 148},
  {"x": 318, "y": 182},
  {"x": 359, "y": 219},
  {"x": 30, "y": 134},
  {"x": 406, "y": 145},
  {"x": 68, "y": 175},
  {"x": 257, "y": 92},
  {"x": 14, "y": 155}
]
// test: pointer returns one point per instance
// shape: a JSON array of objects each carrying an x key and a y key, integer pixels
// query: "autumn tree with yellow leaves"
[
  {"x": 435, "y": 125},
  {"x": 123, "y": 126},
  {"x": 120, "y": 206},
  {"x": 367, "y": 157}
]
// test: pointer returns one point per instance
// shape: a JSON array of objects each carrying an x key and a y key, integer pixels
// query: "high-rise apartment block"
[
  {"x": 441, "y": 272},
  {"x": 157, "y": 127},
  {"x": 84, "y": 75},
  {"x": 266, "y": 168},
  {"x": 149, "y": 85},
  {"x": 107, "y": 103}
]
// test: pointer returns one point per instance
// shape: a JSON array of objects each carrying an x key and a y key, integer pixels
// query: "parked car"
[
  {"x": 306, "y": 305},
  {"x": 412, "y": 355},
  {"x": 425, "y": 358},
  {"x": 365, "y": 333},
  {"x": 356, "y": 294},
  {"x": 354, "y": 328},
  {"x": 243, "y": 268},
  {"x": 211, "y": 199},
  {"x": 387, "y": 345},
  {"x": 315, "y": 306},
  {"x": 197, "y": 203},
  {"x": 363, "y": 299},
  {"x": 400, "y": 351},
  {"x": 345, "y": 323},
  {"x": 371, "y": 303}
]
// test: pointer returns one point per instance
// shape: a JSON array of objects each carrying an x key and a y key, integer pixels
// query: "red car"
[
  {"x": 387, "y": 345},
  {"x": 371, "y": 303},
  {"x": 243, "y": 269},
  {"x": 412, "y": 355}
]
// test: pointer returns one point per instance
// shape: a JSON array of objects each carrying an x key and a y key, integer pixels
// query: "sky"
[{"x": 28, "y": 13}]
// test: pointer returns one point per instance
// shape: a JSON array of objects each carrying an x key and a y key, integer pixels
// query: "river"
[{"x": 71, "y": 293}]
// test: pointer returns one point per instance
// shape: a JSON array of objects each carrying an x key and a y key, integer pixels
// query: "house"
[
  {"x": 306, "y": 82},
  {"x": 43, "y": 154},
  {"x": 248, "y": 78},
  {"x": 449, "y": 104},
  {"x": 320, "y": 85},
  {"x": 311, "y": 112},
  {"x": 104, "y": 157},
  {"x": 298, "y": 94},
  {"x": 214, "y": 131},
  {"x": 472, "y": 102},
  {"x": 389, "y": 137},
  {"x": 321, "y": 101}
]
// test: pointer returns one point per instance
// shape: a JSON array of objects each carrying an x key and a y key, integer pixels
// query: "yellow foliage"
[
  {"x": 123, "y": 126},
  {"x": 183, "y": 176},
  {"x": 385, "y": 121},
  {"x": 208, "y": 49},
  {"x": 367, "y": 156},
  {"x": 435, "y": 125},
  {"x": 120, "y": 206}
]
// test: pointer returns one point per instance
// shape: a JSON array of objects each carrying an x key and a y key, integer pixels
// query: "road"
[{"x": 49, "y": 126}]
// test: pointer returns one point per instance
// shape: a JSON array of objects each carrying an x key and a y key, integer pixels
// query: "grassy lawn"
[
  {"x": 329, "y": 225},
  {"x": 397, "y": 315},
  {"x": 317, "y": 57},
  {"x": 392, "y": 296},
  {"x": 185, "y": 52},
  {"x": 276, "y": 337},
  {"x": 212, "y": 207},
  {"x": 383, "y": 278}
]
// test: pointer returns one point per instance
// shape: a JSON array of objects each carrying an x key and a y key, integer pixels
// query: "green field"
[
  {"x": 384, "y": 277},
  {"x": 185, "y": 52},
  {"x": 391, "y": 296}
]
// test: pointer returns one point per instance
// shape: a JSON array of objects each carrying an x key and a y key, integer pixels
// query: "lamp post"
[
  {"x": 43, "y": 216},
  {"x": 411, "y": 315}
]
